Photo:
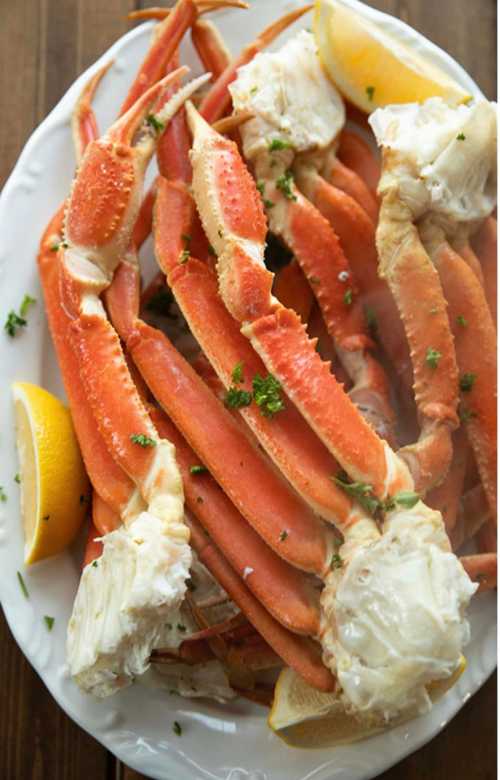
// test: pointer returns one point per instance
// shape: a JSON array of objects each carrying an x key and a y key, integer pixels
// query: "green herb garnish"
[
  {"x": 433, "y": 357},
  {"x": 462, "y": 321},
  {"x": 198, "y": 469},
  {"x": 460, "y": 137},
  {"x": 23, "y": 585},
  {"x": 237, "y": 375},
  {"x": 277, "y": 145},
  {"x": 144, "y": 441},
  {"x": 155, "y": 123},
  {"x": 267, "y": 395},
  {"x": 467, "y": 382},
  {"x": 26, "y": 303},
  {"x": 370, "y": 91},
  {"x": 13, "y": 322},
  {"x": 49, "y": 622},
  {"x": 177, "y": 728},
  {"x": 361, "y": 491},
  {"x": 284, "y": 183},
  {"x": 3, "y": 495},
  {"x": 336, "y": 562},
  {"x": 348, "y": 297},
  {"x": 17, "y": 478},
  {"x": 236, "y": 398},
  {"x": 283, "y": 536}
]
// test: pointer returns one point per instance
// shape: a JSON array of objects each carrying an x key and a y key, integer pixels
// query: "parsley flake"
[
  {"x": 95, "y": 564},
  {"x": 144, "y": 441},
  {"x": 269, "y": 204},
  {"x": 462, "y": 321},
  {"x": 406, "y": 498},
  {"x": 467, "y": 414},
  {"x": 371, "y": 319},
  {"x": 254, "y": 90},
  {"x": 467, "y": 382},
  {"x": 184, "y": 256},
  {"x": 13, "y": 322},
  {"x": 283, "y": 535},
  {"x": 348, "y": 297},
  {"x": 177, "y": 728},
  {"x": 211, "y": 251},
  {"x": 277, "y": 145},
  {"x": 361, "y": 491},
  {"x": 370, "y": 91},
  {"x": 187, "y": 239},
  {"x": 26, "y": 303},
  {"x": 23, "y": 585},
  {"x": 49, "y": 622},
  {"x": 284, "y": 183},
  {"x": 17, "y": 478},
  {"x": 3, "y": 495},
  {"x": 433, "y": 357},
  {"x": 237, "y": 375},
  {"x": 155, "y": 123},
  {"x": 460, "y": 137},
  {"x": 261, "y": 186},
  {"x": 267, "y": 395},
  {"x": 198, "y": 469},
  {"x": 236, "y": 398},
  {"x": 336, "y": 562}
]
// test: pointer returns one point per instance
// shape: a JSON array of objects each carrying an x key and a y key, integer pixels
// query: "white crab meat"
[
  {"x": 291, "y": 98},
  {"x": 123, "y": 602},
  {"x": 443, "y": 157},
  {"x": 395, "y": 617}
]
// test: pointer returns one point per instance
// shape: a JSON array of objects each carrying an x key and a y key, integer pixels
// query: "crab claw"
[{"x": 105, "y": 198}]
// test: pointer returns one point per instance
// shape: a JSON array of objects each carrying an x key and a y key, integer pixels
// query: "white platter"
[{"x": 219, "y": 742}]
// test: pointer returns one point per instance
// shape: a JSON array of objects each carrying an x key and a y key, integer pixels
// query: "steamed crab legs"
[
  {"x": 121, "y": 497},
  {"x": 414, "y": 239}
]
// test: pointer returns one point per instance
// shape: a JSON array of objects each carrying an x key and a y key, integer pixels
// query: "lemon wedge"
[
  {"x": 53, "y": 480},
  {"x": 304, "y": 717},
  {"x": 370, "y": 67}
]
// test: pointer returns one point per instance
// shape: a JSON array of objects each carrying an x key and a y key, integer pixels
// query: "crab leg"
[
  {"x": 237, "y": 234},
  {"x": 293, "y": 291},
  {"x": 357, "y": 155},
  {"x": 210, "y": 47},
  {"x": 472, "y": 325},
  {"x": 282, "y": 590},
  {"x": 446, "y": 496},
  {"x": 93, "y": 547},
  {"x": 343, "y": 178},
  {"x": 299, "y": 653},
  {"x": 218, "y": 442},
  {"x": 484, "y": 244},
  {"x": 473, "y": 515}
]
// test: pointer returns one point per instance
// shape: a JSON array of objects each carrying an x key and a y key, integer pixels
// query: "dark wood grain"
[{"x": 44, "y": 44}]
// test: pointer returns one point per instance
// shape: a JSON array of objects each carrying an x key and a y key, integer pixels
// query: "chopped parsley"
[
  {"x": 277, "y": 145},
  {"x": 467, "y": 382},
  {"x": 198, "y": 469},
  {"x": 3, "y": 495},
  {"x": 155, "y": 123},
  {"x": 177, "y": 728},
  {"x": 267, "y": 395},
  {"x": 237, "y": 375},
  {"x": 211, "y": 251},
  {"x": 56, "y": 247},
  {"x": 49, "y": 622},
  {"x": 406, "y": 498},
  {"x": 361, "y": 491},
  {"x": 467, "y": 414},
  {"x": 142, "y": 440},
  {"x": 236, "y": 398},
  {"x": 283, "y": 535},
  {"x": 95, "y": 564},
  {"x": 184, "y": 256},
  {"x": 371, "y": 319},
  {"x": 26, "y": 303},
  {"x": 23, "y": 585},
  {"x": 462, "y": 321},
  {"x": 284, "y": 183},
  {"x": 181, "y": 627},
  {"x": 348, "y": 297},
  {"x": 433, "y": 357},
  {"x": 269, "y": 204},
  {"x": 13, "y": 322},
  {"x": 336, "y": 562},
  {"x": 370, "y": 91},
  {"x": 254, "y": 90},
  {"x": 187, "y": 239},
  {"x": 261, "y": 186},
  {"x": 17, "y": 478},
  {"x": 460, "y": 137}
]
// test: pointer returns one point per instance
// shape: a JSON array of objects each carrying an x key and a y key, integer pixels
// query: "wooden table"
[{"x": 44, "y": 45}]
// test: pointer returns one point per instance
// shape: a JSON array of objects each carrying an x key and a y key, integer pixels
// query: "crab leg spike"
[
  {"x": 357, "y": 155},
  {"x": 160, "y": 13},
  {"x": 83, "y": 121},
  {"x": 298, "y": 652},
  {"x": 218, "y": 100},
  {"x": 211, "y": 49},
  {"x": 282, "y": 590}
]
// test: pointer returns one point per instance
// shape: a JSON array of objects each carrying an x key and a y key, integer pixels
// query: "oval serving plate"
[{"x": 136, "y": 724}]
